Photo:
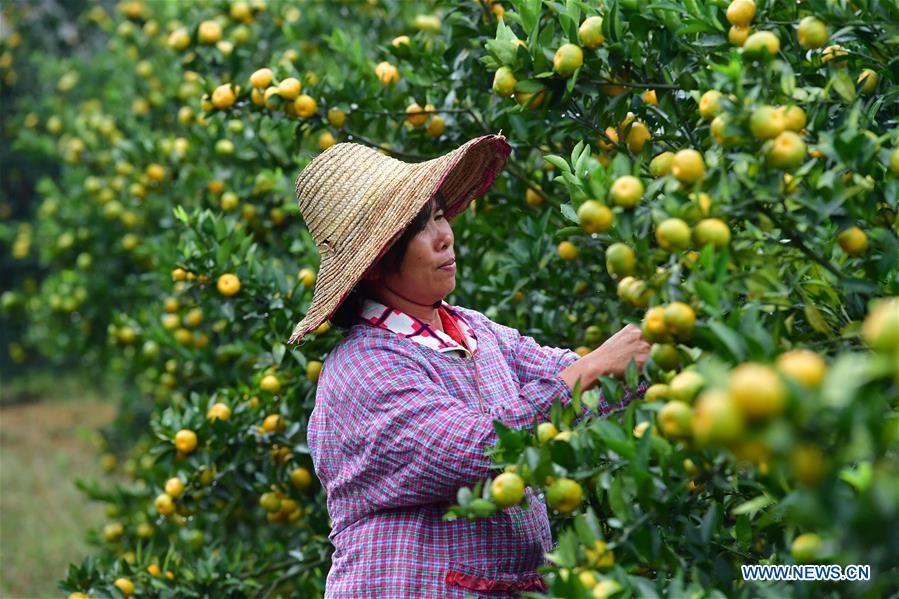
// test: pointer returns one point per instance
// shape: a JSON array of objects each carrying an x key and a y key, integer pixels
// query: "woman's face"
[{"x": 420, "y": 279}]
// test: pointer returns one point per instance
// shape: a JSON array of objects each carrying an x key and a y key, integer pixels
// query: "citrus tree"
[{"x": 724, "y": 174}]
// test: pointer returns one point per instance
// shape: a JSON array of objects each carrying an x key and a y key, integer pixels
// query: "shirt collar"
[{"x": 377, "y": 314}]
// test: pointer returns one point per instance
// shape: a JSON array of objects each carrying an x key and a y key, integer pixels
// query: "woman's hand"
[{"x": 612, "y": 357}]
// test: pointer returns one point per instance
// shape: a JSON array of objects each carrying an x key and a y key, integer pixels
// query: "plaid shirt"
[{"x": 399, "y": 427}]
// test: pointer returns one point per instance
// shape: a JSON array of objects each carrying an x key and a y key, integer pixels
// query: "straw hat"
[{"x": 357, "y": 202}]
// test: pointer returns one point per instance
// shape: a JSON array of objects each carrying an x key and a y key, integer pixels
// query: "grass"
[{"x": 44, "y": 446}]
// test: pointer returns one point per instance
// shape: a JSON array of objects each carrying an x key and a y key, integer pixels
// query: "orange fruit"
[
  {"x": 273, "y": 423},
  {"x": 710, "y": 104},
  {"x": 688, "y": 166},
  {"x": 525, "y": 98},
  {"x": 546, "y": 431},
  {"x": 270, "y": 502},
  {"x": 679, "y": 320},
  {"x": 811, "y": 32},
  {"x": 803, "y": 365},
  {"x": 590, "y": 32},
  {"x": 568, "y": 251},
  {"x": 637, "y": 137},
  {"x": 626, "y": 191},
  {"x": 532, "y": 198},
  {"x": 185, "y": 440},
  {"x": 806, "y": 548},
  {"x": 809, "y": 464},
  {"x": 416, "y": 120},
  {"x": 594, "y": 217},
  {"x": 307, "y": 277},
  {"x": 209, "y": 32},
  {"x": 504, "y": 82},
  {"x": 761, "y": 43},
  {"x": 661, "y": 164},
  {"x": 305, "y": 106},
  {"x": 270, "y": 383},
  {"x": 673, "y": 234},
  {"x": 711, "y": 230},
  {"x": 853, "y": 241},
  {"x": 740, "y": 12},
  {"x": 868, "y": 80},
  {"x": 229, "y": 201},
  {"x": 219, "y": 411},
  {"x": 600, "y": 556},
  {"x": 125, "y": 585},
  {"x": 228, "y": 284},
  {"x": 620, "y": 260},
  {"x": 337, "y": 118},
  {"x": 261, "y": 78},
  {"x": 767, "y": 122},
  {"x": 716, "y": 418},
  {"x": 664, "y": 355},
  {"x": 718, "y": 127},
  {"x": 737, "y": 35},
  {"x": 289, "y": 88},
  {"x": 400, "y": 40},
  {"x": 656, "y": 392},
  {"x": 301, "y": 478},
  {"x": 612, "y": 134},
  {"x": 758, "y": 390},
  {"x": 507, "y": 489},
  {"x": 674, "y": 419},
  {"x": 685, "y": 385},
  {"x": 567, "y": 59},
  {"x": 174, "y": 487},
  {"x": 794, "y": 117},
  {"x": 155, "y": 172},
  {"x": 313, "y": 369},
  {"x": 834, "y": 53},
  {"x": 164, "y": 504},
  {"x": 787, "y": 150},
  {"x": 387, "y": 73},
  {"x": 564, "y": 495},
  {"x": 880, "y": 329},
  {"x": 653, "y": 326},
  {"x": 428, "y": 23}
]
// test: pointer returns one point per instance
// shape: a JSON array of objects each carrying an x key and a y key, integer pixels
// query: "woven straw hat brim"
[{"x": 357, "y": 202}]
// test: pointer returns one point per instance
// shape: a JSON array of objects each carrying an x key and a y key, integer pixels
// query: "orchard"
[{"x": 723, "y": 174}]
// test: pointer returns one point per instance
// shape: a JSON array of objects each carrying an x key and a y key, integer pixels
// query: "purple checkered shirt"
[{"x": 398, "y": 427}]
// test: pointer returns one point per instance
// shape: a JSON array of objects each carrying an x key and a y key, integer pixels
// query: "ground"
[{"x": 45, "y": 446}]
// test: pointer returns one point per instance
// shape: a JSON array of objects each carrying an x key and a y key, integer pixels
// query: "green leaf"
[
  {"x": 631, "y": 374},
  {"x": 813, "y": 315},
  {"x": 569, "y": 213},
  {"x": 743, "y": 532},
  {"x": 619, "y": 506},
  {"x": 753, "y": 506},
  {"x": 842, "y": 83},
  {"x": 180, "y": 214},
  {"x": 583, "y": 530},
  {"x": 558, "y": 162},
  {"x": 576, "y": 152},
  {"x": 505, "y": 52},
  {"x": 278, "y": 352},
  {"x": 726, "y": 337}
]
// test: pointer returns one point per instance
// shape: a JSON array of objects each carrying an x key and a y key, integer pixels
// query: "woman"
[{"x": 406, "y": 401}]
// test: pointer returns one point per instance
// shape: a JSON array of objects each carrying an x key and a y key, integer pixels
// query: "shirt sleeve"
[
  {"x": 530, "y": 360},
  {"x": 409, "y": 442}
]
